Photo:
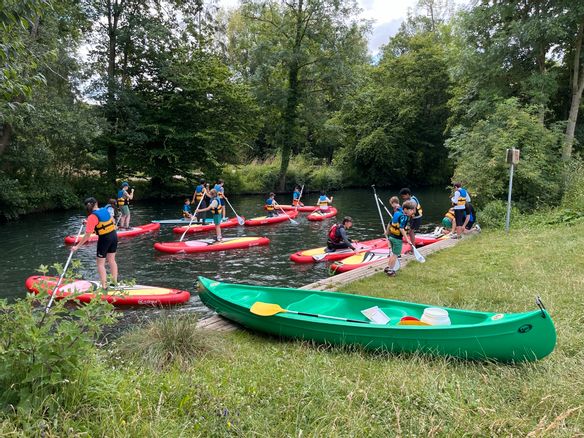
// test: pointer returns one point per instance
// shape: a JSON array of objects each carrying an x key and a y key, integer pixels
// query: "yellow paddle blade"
[
  {"x": 411, "y": 322},
  {"x": 265, "y": 309}
]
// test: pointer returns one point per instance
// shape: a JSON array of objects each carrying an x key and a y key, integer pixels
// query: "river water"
[{"x": 38, "y": 239}]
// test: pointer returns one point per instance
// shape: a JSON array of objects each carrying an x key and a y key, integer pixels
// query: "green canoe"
[{"x": 472, "y": 335}]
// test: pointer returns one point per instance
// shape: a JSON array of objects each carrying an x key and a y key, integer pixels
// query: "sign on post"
[{"x": 512, "y": 159}]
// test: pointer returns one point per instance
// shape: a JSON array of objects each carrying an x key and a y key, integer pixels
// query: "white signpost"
[{"x": 512, "y": 159}]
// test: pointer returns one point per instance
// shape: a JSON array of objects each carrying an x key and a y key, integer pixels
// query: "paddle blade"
[
  {"x": 265, "y": 309},
  {"x": 240, "y": 220},
  {"x": 419, "y": 257},
  {"x": 293, "y": 222}
]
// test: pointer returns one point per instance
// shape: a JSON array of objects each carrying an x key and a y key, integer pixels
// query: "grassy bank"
[{"x": 241, "y": 384}]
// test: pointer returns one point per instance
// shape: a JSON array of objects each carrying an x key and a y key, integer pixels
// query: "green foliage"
[
  {"x": 394, "y": 124},
  {"x": 169, "y": 340},
  {"x": 44, "y": 354},
  {"x": 479, "y": 154},
  {"x": 494, "y": 213},
  {"x": 574, "y": 186}
]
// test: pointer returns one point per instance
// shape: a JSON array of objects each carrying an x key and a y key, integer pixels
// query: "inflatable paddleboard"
[
  {"x": 136, "y": 295},
  {"x": 319, "y": 215},
  {"x": 265, "y": 220},
  {"x": 320, "y": 255},
  {"x": 303, "y": 209},
  {"x": 134, "y": 231},
  {"x": 207, "y": 245},
  {"x": 199, "y": 228}
]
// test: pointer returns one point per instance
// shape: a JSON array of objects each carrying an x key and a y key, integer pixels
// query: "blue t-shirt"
[
  {"x": 187, "y": 208},
  {"x": 401, "y": 218},
  {"x": 296, "y": 195}
]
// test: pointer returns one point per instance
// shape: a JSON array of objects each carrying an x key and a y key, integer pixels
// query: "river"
[{"x": 38, "y": 239}]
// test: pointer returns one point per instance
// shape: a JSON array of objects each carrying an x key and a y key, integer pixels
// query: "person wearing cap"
[
  {"x": 337, "y": 236},
  {"x": 124, "y": 198},
  {"x": 100, "y": 222}
]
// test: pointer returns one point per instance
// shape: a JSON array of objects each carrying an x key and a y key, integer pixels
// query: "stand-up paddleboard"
[
  {"x": 265, "y": 220},
  {"x": 199, "y": 228},
  {"x": 320, "y": 255},
  {"x": 134, "y": 231},
  {"x": 303, "y": 209},
  {"x": 84, "y": 291},
  {"x": 207, "y": 245},
  {"x": 319, "y": 215}
]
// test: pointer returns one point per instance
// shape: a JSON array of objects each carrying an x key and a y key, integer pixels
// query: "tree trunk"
[
  {"x": 577, "y": 88},
  {"x": 114, "y": 11},
  {"x": 290, "y": 114},
  {"x": 5, "y": 137}
]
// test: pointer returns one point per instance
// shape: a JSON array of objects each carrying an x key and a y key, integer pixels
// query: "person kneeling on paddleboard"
[
  {"x": 100, "y": 222},
  {"x": 337, "y": 236},
  {"x": 397, "y": 231},
  {"x": 296, "y": 197},
  {"x": 186, "y": 211},
  {"x": 324, "y": 201},
  {"x": 271, "y": 205},
  {"x": 217, "y": 212}
]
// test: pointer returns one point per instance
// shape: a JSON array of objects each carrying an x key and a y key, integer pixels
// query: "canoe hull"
[
  {"x": 131, "y": 296},
  {"x": 134, "y": 231},
  {"x": 509, "y": 338},
  {"x": 264, "y": 220}
]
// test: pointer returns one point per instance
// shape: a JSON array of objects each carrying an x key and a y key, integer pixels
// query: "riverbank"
[{"x": 172, "y": 380}]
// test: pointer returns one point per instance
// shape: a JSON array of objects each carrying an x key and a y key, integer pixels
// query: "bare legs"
[{"x": 111, "y": 261}]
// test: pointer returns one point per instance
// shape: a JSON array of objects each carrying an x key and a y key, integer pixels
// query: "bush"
[
  {"x": 44, "y": 353},
  {"x": 170, "y": 340},
  {"x": 574, "y": 186},
  {"x": 494, "y": 213}
]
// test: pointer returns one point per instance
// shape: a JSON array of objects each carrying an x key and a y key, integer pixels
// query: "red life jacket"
[{"x": 334, "y": 233}]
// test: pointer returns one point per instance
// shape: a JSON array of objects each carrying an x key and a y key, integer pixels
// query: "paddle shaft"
[
  {"x": 325, "y": 316},
  {"x": 239, "y": 220},
  {"x": 191, "y": 221},
  {"x": 300, "y": 197},
  {"x": 289, "y": 218},
  {"x": 52, "y": 297}
]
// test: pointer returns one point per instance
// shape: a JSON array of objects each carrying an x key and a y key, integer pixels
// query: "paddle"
[
  {"x": 50, "y": 303},
  {"x": 193, "y": 217},
  {"x": 300, "y": 197},
  {"x": 268, "y": 309},
  {"x": 319, "y": 257},
  {"x": 283, "y": 211},
  {"x": 377, "y": 200},
  {"x": 240, "y": 220},
  {"x": 419, "y": 257}
]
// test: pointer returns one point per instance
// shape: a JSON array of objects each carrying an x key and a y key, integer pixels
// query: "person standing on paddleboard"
[
  {"x": 220, "y": 189},
  {"x": 201, "y": 195},
  {"x": 124, "y": 198},
  {"x": 100, "y": 221},
  {"x": 337, "y": 236},
  {"x": 216, "y": 209}
]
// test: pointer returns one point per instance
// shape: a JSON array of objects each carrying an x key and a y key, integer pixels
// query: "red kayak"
[
  {"x": 265, "y": 220},
  {"x": 134, "y": 231},
  {"x": 198, "y": 228},
  {"x": 319, "y": 215},
  {"x": 84, "y": 291},
  {"x": 207, "y": 245},
  {"x": 303, "y": 209},
  {"x": 320, "y": 255}
]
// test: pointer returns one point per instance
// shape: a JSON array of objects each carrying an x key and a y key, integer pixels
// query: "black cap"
[{"x": 91, "y": 200}]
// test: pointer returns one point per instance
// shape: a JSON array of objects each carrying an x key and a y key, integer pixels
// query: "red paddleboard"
[
  {"x": 134, "y": 231},
  {"x": 207, "y": 245},
  {"x": 320, "y": 255},
  {"x": 265, "y": 220},
  {"x": 319, "y": 215},
  {"x": 198, "y": 228},
  {"x": 303, "y": 209},
  {"x": 84, "y": 292},
  {"x": 364, "y": 259}
]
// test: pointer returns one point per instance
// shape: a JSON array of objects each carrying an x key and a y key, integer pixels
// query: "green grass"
[{"x": 243, "y": 384}]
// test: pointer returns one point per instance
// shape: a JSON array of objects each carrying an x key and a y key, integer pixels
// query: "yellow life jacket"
[
  {"x": 461, "y": 201},
  {"x": 199, "y": 195},
  {"x": 394, "y": 227},
  {"x": 419, "y": 210},
  {"x": 105, "y": 223},
  {"x": 322, "y": 202},
  {"x": 450, "y": 214},
  {"x": 121, "y": 199},
  {"x": 219, "y": 208},
  {"x": 269, "y": 207}
]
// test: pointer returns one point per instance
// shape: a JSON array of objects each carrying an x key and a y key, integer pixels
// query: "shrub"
[
  {"x": 574, "y": 186},
  {"x": 494, "y": 213},
  {"x": 167, "y": 341}
]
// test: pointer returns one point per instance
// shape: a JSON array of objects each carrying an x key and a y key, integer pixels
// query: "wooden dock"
[{"x": 218, "y": 323}]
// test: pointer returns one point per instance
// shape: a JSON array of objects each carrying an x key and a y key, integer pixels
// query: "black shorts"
[
  {"x": 107, "y": 244},
  {"x": 460, "y": 216},
  {"x": 470, "y": 224},
  {"x": 415, "y": 223}
]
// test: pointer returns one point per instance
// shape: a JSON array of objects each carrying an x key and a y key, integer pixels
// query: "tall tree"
[{"x": 294, "y": 53}]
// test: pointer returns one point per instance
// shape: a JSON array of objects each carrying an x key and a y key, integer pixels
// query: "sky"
[{"x": 386, "y": 15}]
